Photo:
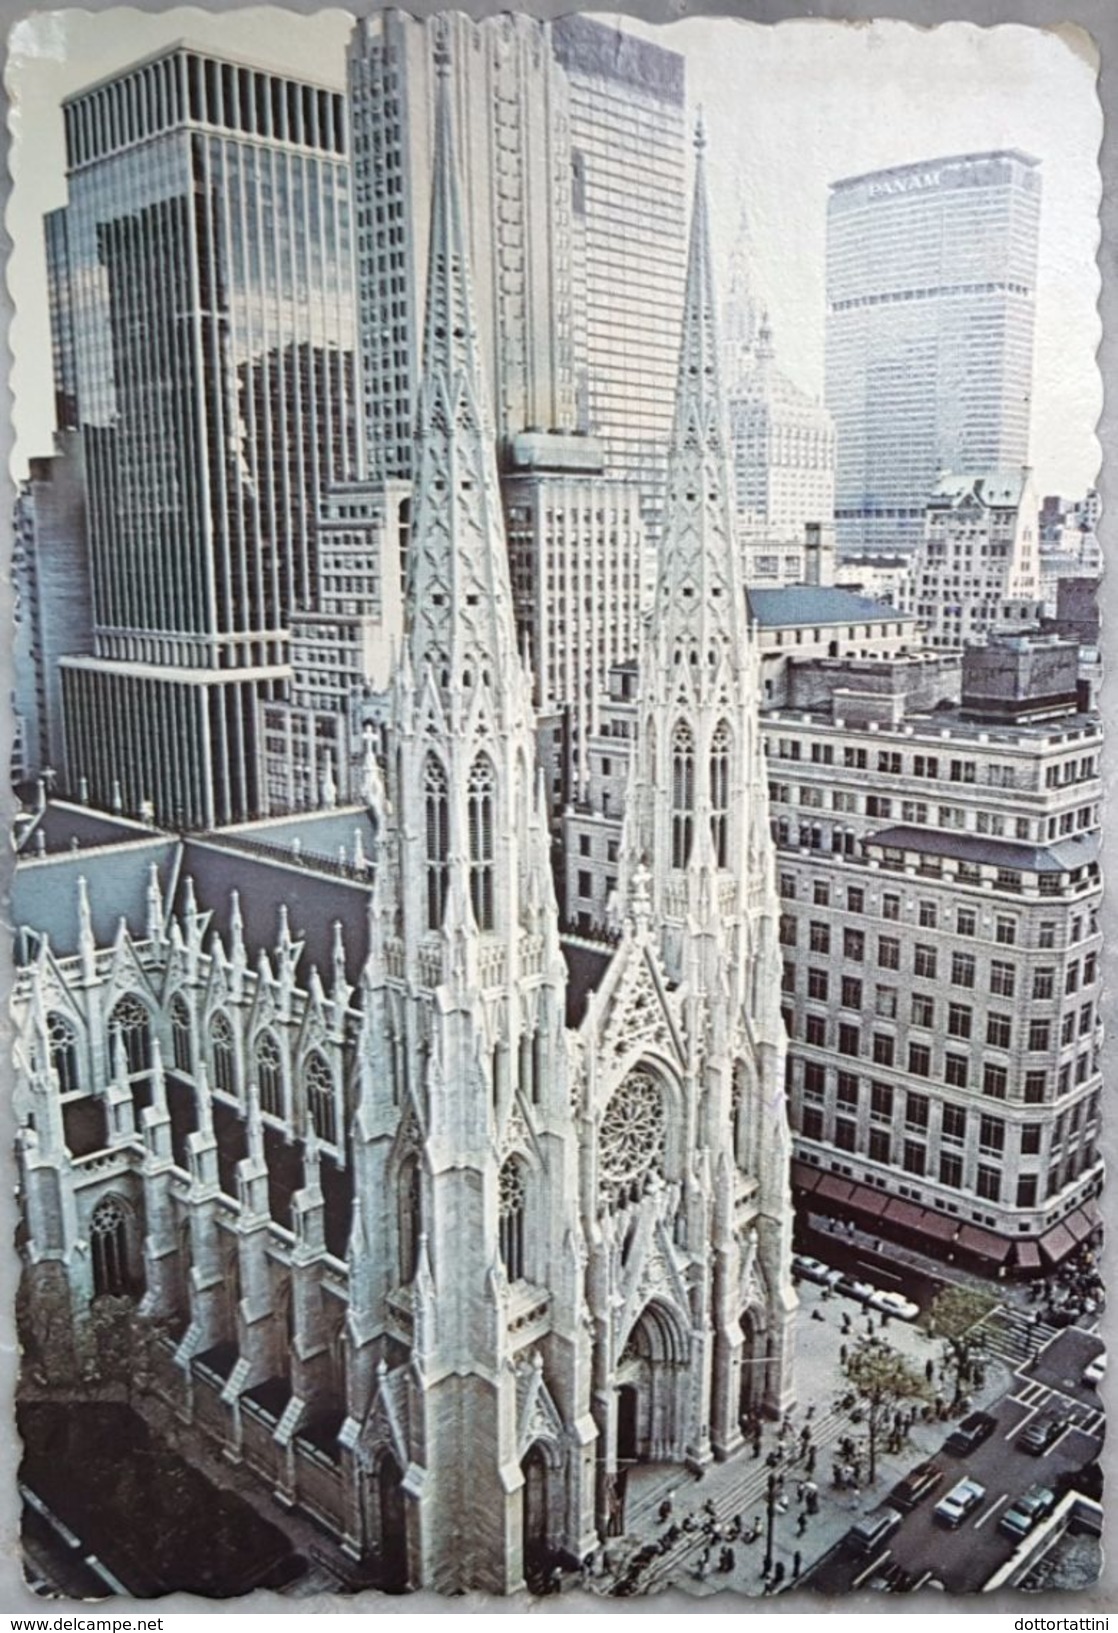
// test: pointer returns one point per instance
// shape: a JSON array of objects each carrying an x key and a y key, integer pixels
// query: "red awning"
[
  {"x": 904, "y": 1213},
  {"x": 1028, "y": 1255},
  {"x": 1079, "y": 1225},
  {"x": 1090, "y": 1211},
  {"x": 803, "y": 1177},
  {"x": 984, "y": 1243},
  {"x": 833, "y": 1189},
  {"x": 939, "y": 1226},
  {"x": 867, "y": 1201},
  {"x": 1057, "y": 1243}
]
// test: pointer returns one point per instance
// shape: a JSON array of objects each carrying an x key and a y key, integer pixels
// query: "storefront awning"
[
  {"x": 984, "y": 1243},
  {"x": 1078, "y": 1224},
  {"x": 803, "y": 1177},
  {"x": 833, "y": 1189},
  {"x": 866, "y": 1201},
  {"x": 1057, "y": 1243},
  {"x": 904, "y": 1213},
  {"x": 1028, "y": 1255},
  {"x": 939, "y": 1226}
]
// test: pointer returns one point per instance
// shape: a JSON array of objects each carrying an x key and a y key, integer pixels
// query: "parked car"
[
  {"x": 890, "y": 1303},
  {"x": 916, "y": 1485},
  {"x": 960, "y": 1501},
  {"x": 847, "y": 1287},
  {"x": 893, "y": 1578},
  {"x": 873, "y": 1531},
  {"x": 973, "y": 1430},
  {"x": 1095, "y": 1371},
  {"x": 809, "y": 1269},
  {"x": 1027, "y": 1510},
  {"x": 1038, "y": 1435}
]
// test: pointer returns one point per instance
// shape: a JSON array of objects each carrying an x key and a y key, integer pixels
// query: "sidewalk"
[
  {"x": 738, "y": 1487},
  {"x": 824, "y": 1229}
]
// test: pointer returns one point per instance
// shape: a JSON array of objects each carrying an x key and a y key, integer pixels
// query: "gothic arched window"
[
  {"x": 510, "y": 1214},
  {"x": 131, "y": 1022},
  {"x": 180, "y": 1033},
  {"x": 320, "y": 1097},
  {"x": 223, "y": 1053},
  {"x": 633, "y": 1138},
  {"x": 108, "y": 1240},
  {"x": 268, "y": 1068},
  {"x": 683, "y": 793},
  {"x": 479, "y": 797},
  {"x": 62, "y": 1042},
  {"x": 437, "y": 819},
  {"x": 720, "y": 792},
  {"x": 410, "y": 1216}
]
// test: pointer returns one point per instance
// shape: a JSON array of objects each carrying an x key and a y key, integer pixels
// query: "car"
[
  {"x": 893, "y": 1578},
  {"x": 1095, "y": 1371},
  {"x": 960, "y": 1501},
  {"x": 891, "y": 1303},
  {"x": 916, "y": 1485},
  {"x": 847, "y": 1287},
  {"x": 970, "y": 1434},
  {"x": 872, "y": 1531},
  {"x": 809, "y": 1269},
  {"x": 1027, "y": 1510},
  {"x": 1038, "y": 1435}
]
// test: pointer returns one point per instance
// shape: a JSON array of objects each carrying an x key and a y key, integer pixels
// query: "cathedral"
[{"x": 437, "y": 1222}]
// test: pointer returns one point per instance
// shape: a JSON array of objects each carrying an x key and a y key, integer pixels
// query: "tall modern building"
[
  {"x": 50, "y": 571},
  {"x": 931, "y": 290},
  {"x": 202, "y": 297},
  {"x": 510, "y": 103},
  {"x": 628, "y": 219}
]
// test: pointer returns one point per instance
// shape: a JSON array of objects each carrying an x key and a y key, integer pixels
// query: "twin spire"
[
  {"x": 699, "y": 592},
  {"x": 460, "y": 600}
]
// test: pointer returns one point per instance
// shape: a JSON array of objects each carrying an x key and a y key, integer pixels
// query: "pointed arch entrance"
[
  {"x": 651, "y": 1417},
  {"x": 392, "y": 1506},
  {"x": 753, "y": 1385},
  {"x": 536, "y": 1522}
]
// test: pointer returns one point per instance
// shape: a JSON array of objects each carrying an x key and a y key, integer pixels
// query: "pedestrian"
[
  {"x": 778, "y": 1574},
  {"x": 757, "y": 1443},
  {"x": 929, "y": 1369},
  {"x": 801, "y": 1525},
  {"x": 796, "y": 1564},
  {"x": 665, "y": 1510},
  {"x": 809, "y": 1462}
]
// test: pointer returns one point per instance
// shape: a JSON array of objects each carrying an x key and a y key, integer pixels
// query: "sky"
[{"x": 789, "y": 108}]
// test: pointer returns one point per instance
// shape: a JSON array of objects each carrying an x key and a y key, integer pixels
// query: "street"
[{"x": 963, "y": 1560}]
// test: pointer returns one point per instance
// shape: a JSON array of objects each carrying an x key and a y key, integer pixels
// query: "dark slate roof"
[
  {"x": 315, "y": 899},
  {"x": 1000, "y": 853},
  {"x": 585, "y": 968},
  {"x": 59, "y": 825},
  {"x": 319, "y": 833},
  {"x": 44, "y": 896},
  {"x": 801, "y": 604}
]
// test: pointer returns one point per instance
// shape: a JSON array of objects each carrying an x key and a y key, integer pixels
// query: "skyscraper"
[
  {"x": 203, "y": 334},
  {"x": 510, "y": 106},
  {"x": 931, "y": 279},
  {"x": 628, "y": 215}
]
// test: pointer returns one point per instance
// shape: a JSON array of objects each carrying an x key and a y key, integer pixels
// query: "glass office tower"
[
  {"x": 931, "y": 291},
  {"x": 203, "y": 306}
]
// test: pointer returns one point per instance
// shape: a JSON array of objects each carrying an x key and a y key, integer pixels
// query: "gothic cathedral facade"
[{"x": 441, "y": 1245}]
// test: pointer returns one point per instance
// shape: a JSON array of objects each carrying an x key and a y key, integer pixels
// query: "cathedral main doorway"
[{"x": 651, "y": 1390}]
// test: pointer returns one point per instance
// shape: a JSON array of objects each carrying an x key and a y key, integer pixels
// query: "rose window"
[{"x": 631, "y": 1145}]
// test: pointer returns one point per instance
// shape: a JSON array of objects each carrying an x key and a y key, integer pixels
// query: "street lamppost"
[{"x": 772, "y": 1490}]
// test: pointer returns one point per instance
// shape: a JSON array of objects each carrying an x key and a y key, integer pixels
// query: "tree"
[
  {"x": 882, "y": 1380},
  {"x": 956, "y": 1317}
]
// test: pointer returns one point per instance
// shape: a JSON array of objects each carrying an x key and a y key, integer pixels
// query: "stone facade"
[{"x": 436, "y": 1225}]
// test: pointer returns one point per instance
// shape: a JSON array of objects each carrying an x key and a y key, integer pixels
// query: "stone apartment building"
[{"x": 936, "y": 819}]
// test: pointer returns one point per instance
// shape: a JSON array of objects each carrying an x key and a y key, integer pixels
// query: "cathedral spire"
[
  {"x": 699, "y": 583},
  {"x": 461, "y": 625}
]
